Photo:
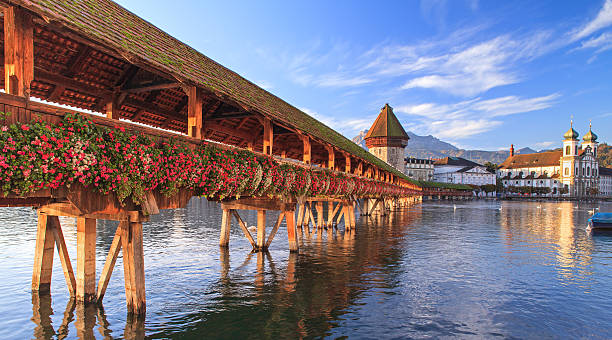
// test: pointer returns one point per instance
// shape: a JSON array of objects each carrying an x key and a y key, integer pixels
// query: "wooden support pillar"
[
  {"x": 226, "y": 221},
  {"x": 347, "y": 164},
  {"x": 62, "y": 251},
  {"x": 112, "y": 107},
  {"x": 319, "y": 215},
  {"x": 307, "y": 156},
  {"x": 261, "y": 229},
  {"x": 331, "y": 157},
  {"x": 330, "y": 213},
  {"x": 86, "y": 260},
  {"x": 111, "y": 258},
  {"x": 359, "y": 171},
  {"x": 300, "y": 215},
  {"x": 195, "y": 124},
  {"x": 18, "y": 51},
  {"x": 345, "y": 214},
  {"x": 291, "y": 231},
  {"x": 352, "y": 215},
  {"x": 133, "y": 267},
  {"x": 268, "y": 136},
  {"x": 43, "y": 257}
]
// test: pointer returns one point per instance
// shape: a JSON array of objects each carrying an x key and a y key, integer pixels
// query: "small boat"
[{"x": 600, "y": 221}]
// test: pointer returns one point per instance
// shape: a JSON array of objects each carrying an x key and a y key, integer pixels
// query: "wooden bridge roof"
[{"x": 102, "y": 35}]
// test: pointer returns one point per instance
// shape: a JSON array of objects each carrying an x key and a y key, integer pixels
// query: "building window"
[
  {"x": 588, "y": 171},
  {"x": 566, "y": 171},
  {"x": 567, "y": 150}
]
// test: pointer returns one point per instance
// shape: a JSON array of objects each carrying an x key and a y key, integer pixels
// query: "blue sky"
[{"x": 479, "y": 74}]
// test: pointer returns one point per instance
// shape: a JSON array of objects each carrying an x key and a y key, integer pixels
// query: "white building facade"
[
  {"x": 461, "y": 171},
  {"x": 571, "y": 171},
  {"x": 419, "y": 169}
]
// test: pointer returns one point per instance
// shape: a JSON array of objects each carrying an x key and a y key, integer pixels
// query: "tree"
[{"x": 491, "y": 167}]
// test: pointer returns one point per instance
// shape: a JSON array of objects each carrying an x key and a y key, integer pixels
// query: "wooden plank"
[
  {"x": 226, "y": 221},
  {"x": 307, "y": 154},
  {"x": 279, "y": 220},
  {"x": 112, "y": 107},
  {"x": 331, "y": 157},
  {"x": 43, "y": 256},
  {"x": 86, "y": 260},
  {"x": 334, "y": 212},
  {"x": 18, "y": 51},
  {"x": 151, "y": 87},
  {"x": 109, "y": 264},
  {"x": 261, "y": 229},
  {"x": 258, "y": 204},
  {"x": 243, "y": 226},
  {"x": 291, "y": 231},
  {"x": 69, "y": 210},
  {"x": 62, "y": 251}
]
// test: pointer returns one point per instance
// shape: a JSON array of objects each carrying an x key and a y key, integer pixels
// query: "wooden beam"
[
  {"x": 307, "y": 155},
  {"x": 62, "y": 251},
  {"x": 226, "y": 221},
  {"x": 112, "y": 107},
  {"x": 279, "y": 220},
  {"x": 43, "y": 256},
  {"x": 69, "y": 83},
  {"x": 133, "y": 262},
  {"x": 194, "y": 113},
  {"x": 151, "y": 87},
  {"x": 77, "y": 62},
  {"x": 18, "y": 51},
  {"x": 347, "y": 163},
  {"x": 244, "y": 228},
  {"x": 268, "y": 136},
  {"x": 86, "y": 260},
  {"x": 291, "y": 230},
  {"x": 261, "y": 229},
  {"x": 228, "y": 130},
  {"x": 111, "y": 258},
  {"x": 230, "y": 115},
  {"x": 331, "y": 157}
]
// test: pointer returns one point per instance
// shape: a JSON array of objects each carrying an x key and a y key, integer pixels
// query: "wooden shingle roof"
[
  {"x": 387, "y": 125},
  {"x": 134, "y": 39}
]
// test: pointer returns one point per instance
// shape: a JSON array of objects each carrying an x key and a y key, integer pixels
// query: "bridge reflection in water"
[{"x": 261, "y": 287}]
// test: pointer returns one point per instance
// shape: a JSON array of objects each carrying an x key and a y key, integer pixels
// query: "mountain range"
[{"x": 432, "y": 147}]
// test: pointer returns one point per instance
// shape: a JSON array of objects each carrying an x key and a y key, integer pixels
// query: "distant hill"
[{"x": 432, "y": 147}]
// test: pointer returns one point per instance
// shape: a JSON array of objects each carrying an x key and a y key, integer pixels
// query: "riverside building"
[
  {"x": 461, "y": 171},
  {"x": 419, "y": 169},
  {"x": 572, "y": 171}
]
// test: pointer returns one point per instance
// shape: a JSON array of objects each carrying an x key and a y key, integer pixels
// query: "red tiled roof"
[{"x": 551, "y": 158}]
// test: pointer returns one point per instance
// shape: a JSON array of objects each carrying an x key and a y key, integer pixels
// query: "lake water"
[{"x": 479, "y": 269}]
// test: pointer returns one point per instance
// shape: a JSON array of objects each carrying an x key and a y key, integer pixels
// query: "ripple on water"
[{"x": 432, "y": 271}]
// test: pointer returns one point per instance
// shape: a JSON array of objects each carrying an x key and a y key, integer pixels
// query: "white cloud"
[
  {"x": 602, "y": 43},
  {"x": 338, "y": 80},
  {"x": 266, "y": 85},
  {"x": 471, "y": 117},
  {"x": 602, "y": 20}
]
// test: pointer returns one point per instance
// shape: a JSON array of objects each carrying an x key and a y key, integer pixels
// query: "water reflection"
[{"x": 486, "y": 269}]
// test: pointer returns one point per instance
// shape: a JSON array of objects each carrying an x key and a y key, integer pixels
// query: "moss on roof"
[
  {"x": 387, "y": 125},
  {"x": 140, "y": 42}
]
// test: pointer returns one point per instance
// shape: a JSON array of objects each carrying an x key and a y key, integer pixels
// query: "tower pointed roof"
[{"x": 387, "y": 125}]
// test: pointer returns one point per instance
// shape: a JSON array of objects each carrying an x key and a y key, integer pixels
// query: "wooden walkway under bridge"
[{"x": 144, "y": 82}]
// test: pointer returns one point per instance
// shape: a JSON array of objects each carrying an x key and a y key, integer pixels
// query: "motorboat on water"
[{"x": 600, "y": 221}]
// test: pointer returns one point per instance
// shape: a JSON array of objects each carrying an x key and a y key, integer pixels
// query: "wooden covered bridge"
[{"x": 171, "y": 124}]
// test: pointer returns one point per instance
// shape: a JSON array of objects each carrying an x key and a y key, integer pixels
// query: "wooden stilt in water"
[
  {"x": 133, "y": 264},
  {"x": 226, "y": 221},
  {"x": 244, "y": 228},
  {"x": 291, "y": 231},
  {"x": 43, "y": 257},
  {"x": 352, "y": 214},
  {"x": 319, "y": 206},
  {"x": 279, "y": 220},
  {"x": 86, "y": 260},
  {"x": 300, "y": 216},
  {"x": 261, "y": 230},
  {"x": 330, "y": 213}
]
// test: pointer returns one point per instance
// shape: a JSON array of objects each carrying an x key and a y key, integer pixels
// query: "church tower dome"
[
  {"x": 387, "y": 139},
  {"x": 590, "y": 136},
  {"x": 571, "y": 134}
]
